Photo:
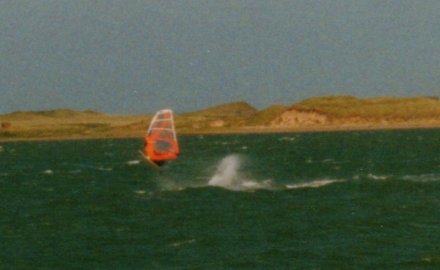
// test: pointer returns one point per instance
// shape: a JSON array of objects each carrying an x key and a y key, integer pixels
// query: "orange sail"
[{"x": 161, "y": 140}]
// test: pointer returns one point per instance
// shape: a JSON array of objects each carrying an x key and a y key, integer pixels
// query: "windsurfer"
[
  {"x": 159, "y": 163},
  {"x": 160, "y": 142}
]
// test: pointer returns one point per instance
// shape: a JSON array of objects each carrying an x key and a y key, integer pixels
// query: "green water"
[{"x": 355, "y": 200}]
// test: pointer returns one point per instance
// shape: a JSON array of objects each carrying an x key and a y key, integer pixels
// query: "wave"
[
  {"x": 377, "y": 177},
  {"x": 105, "y": 169},
  {"x": 286, "y": 138},
  {"x": 140, "y": 192},
  {"x": 49, "y": 172},
  {"x": 133, "y": 162},
  {"x": 229, "y": 176},
  {"x": 184, "y": 242},
  {"x": 229, "y": 173},
  {"x": 314, "y": 184},
  {"x": 422, "y": 178}
]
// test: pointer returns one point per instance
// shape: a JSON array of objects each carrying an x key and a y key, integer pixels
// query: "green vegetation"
[
  {"x": 373, "y": 108},
  {"x": 51, "y": 114},
  {"x": 234, "y": 109},
  {"x": 216, "y": 118},
  {"x": 264, "y": 117}
]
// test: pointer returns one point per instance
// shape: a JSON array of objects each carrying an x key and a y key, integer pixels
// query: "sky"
[{"x": 138, "y": 56}]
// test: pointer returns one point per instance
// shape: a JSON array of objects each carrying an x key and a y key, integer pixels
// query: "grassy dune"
[
  {"x": 225, "y": 118},
  {"x": 263, "y": 117},
  {"x": 65, "y": 123},
  {"x": 374, "y": 108}
]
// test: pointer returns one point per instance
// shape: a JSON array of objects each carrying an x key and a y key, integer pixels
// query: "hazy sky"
[{"x": 137, "y": 56}]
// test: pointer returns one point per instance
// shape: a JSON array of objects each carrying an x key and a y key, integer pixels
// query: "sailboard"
[{"x": 160, "y": 140}]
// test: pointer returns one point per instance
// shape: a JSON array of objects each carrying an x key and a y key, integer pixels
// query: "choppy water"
[{"x": 355, "y": 200}]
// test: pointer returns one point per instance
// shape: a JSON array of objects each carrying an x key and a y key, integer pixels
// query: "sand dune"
[{"x": 317, "y": 114}]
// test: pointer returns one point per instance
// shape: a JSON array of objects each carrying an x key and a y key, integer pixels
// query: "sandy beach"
[{"x": 236, "y": 130}]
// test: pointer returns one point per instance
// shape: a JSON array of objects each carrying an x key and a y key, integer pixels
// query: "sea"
[{"x": 331, "y": 200}]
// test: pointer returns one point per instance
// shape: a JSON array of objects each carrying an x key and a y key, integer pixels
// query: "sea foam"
[
  {"x": 422, "y": 178},
  {"x": 314, "y": 184},
  {"x": 133, "y": 162},
  {"x": 48, "y": 171},
  {"x": 228, "y": 176},
  {"x": 227, "y": 172}
]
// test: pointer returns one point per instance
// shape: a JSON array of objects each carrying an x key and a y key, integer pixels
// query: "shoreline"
[{"x": 239, "y": 131}]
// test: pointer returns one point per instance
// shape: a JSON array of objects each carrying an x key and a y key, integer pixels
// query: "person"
[{"x": 159, "y": 163}]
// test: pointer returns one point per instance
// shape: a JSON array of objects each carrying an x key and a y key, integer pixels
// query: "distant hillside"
[
  {"x": 65, "y": 123},
  {"x": 382, "y": 107},
  {"x": 265, "y": 116},
  {"x": 59, "y": 113},
  {"x": 234, "y": 109},
  {"x": 215, "y": 118},
  {"x": 351, "y": 111},
  {"x": 321, "y": 113}
]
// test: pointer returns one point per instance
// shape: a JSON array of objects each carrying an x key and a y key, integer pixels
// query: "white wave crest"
[
  {"x": 227, "y": 171},
  {"x": 423, "y": 178},
  {"x": 228, "y": 176},
  {"x": 140, "y": 192},
  {"x": 48, "y": 172},
  {"x": 314, "y": 184},
  {"x": 133, "y": 162},
  {"x": 184, "y": 242},
  {"x": 377, "y": 177},
  {"x": 286, "y": 139}
]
